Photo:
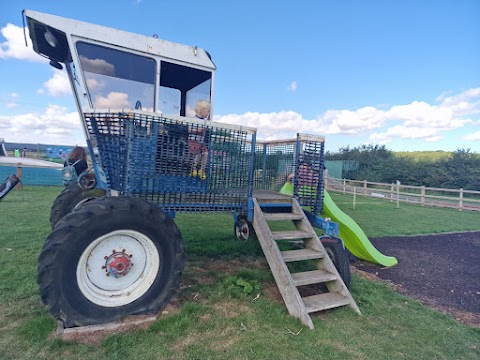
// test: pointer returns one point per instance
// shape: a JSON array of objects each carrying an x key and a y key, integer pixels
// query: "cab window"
[
  {"x": 117, "y": 79},
  {"x": 181, "y": 87}
]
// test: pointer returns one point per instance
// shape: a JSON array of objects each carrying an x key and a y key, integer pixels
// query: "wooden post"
[
  {"x": 422, "y": 196},
  {"x": 364, "y": 187},
  {"x": 354, "y": 196},
  {"x": 344, "y": 185},
  {"x": 398, "y": 194},
  {"x": 460, "y": 200},
  {"x": 19, "y": 175}
]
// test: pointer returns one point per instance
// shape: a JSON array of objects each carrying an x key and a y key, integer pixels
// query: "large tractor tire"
[
  {"x": 339, "y": 256},
  {"x": 110, "y": 258},
  {"x": 69, "y": 199}
]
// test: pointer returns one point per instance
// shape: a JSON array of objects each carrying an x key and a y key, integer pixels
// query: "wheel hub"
[{"x": 118, "y": 264}]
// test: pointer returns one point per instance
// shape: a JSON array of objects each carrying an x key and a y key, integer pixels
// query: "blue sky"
[{"x": 405, "y": 74}]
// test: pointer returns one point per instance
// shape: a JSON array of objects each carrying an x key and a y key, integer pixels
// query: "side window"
[
  {"x": 117, "y": 79},
  {"x": 181, "y": 87},
  {"x": 199, "y": 92}
]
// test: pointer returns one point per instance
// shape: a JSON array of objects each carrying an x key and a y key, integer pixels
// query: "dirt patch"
[{"x": 442, "y": 271}]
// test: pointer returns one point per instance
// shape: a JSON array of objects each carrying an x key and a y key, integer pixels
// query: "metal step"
[
  {"x": 282, "y": 216},
  {"x": 292, "y": 235},
  {"x": 312, "y": 277},
  {"x": 325, "y": 301},
  {"x": 303, "y": 254}
]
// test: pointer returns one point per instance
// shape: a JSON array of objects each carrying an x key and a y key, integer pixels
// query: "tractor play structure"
[{"x": 114, "y": 249}]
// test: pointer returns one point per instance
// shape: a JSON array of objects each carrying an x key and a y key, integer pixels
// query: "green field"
[{"x": 214, "y": 316}]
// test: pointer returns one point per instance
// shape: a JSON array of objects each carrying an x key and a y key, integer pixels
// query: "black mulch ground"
[{"x": 442, "y": 271}]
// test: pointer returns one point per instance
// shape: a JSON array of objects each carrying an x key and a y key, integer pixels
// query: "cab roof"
[{"x": 39, "y": 23}]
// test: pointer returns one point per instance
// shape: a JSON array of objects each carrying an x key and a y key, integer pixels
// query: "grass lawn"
[{"x": 214, "y": 316}]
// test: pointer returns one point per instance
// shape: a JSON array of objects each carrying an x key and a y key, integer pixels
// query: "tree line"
[{"x": 461, "y": 169}]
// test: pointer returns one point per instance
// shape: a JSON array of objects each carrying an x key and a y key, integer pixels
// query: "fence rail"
[{"x": 425, "y": 196}]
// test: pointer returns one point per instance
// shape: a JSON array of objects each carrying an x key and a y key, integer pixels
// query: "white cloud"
[
  {"x": 55, "y": 125},
  {"x": 57, "y": 85},
  {"x": 417, "y": 120},
  {"x": 10, "y": 102},
  {"x": 404, "y": 132},
  {"x": 114, "y": 100},
  {"x": 98, "y": 66},
  {"x": 14, "y": 47},
  {"x": 472, "y": 137},
  {"x": 292, "y": 86},
  {"x": 11, "y": 105},
  {"x": 465, "y": 103},
  {"x": 95, "y": 85}
]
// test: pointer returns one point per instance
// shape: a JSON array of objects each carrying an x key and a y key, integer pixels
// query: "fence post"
[
  {"x": 344, "y": 185},
  {"x": 354, "y": 196},
  {"x": 364, "y": 187},
  {"x": 398, "y": 194},
  {"x": 391, "y": 192},
  {"x": 460, "y": 200},
  {"x": 19, "y": 175},
  {"x": 422, "y": 195}
]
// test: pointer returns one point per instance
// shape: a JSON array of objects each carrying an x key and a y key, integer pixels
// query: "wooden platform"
[{"x": 272, "y": 197}]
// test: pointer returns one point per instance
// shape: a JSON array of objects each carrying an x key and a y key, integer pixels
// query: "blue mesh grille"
[{"x": 181, "y": 165}]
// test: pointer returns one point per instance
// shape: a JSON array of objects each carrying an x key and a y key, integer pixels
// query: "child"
[
  {"x": 198, "y": 146},
  {"x": 77, "y": 153},
  {"x": 307, "y": 176}
]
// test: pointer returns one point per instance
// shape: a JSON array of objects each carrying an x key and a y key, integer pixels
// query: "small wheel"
[
  {"x": 87, "y": 181},
  {"x": 243, "y": 229},
  {"x": 338, "y": 254},
  {"x": 70, "y": 198},
  {"x": 113, "y": 257}
]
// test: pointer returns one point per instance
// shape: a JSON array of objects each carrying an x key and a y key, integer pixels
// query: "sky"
[{"x": 404, "y": 74}]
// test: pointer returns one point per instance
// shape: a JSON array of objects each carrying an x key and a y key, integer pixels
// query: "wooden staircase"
[{"x": 288, "y": 283}]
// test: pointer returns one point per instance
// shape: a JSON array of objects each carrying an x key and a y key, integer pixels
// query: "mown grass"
[{"x": 217, "y": 319}]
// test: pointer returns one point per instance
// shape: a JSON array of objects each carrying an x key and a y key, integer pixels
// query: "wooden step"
[
  {"x": 312, "y": 277},
  {"x": 282, "y": 216},
  {"x": 303, "y": 254},
  {"x": 291, "y": 235},
  {"x": 324, "y": 302}
]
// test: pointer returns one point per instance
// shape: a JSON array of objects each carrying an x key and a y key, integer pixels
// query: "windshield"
[{"x": 116, "y": 79}]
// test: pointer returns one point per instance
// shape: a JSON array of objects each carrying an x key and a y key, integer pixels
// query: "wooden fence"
[{"x": 425, "y": 196}]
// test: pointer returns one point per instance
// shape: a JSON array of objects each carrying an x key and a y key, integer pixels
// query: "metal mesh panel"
[
  {"x": 274, "y": 161},
  {"x": 181, "y": 165},
  {"x": 308, "y": 182},
  {"x": 304, "y": 157}
]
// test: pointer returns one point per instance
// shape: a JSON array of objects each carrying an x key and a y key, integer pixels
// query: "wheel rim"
[
  {"x": 118, "y": 268},
  {"x": 242, "y": 230}
]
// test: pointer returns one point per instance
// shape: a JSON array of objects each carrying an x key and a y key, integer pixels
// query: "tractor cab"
[{"x": 114, "y": 69}]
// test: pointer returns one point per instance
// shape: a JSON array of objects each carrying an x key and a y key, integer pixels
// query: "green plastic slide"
[{"x": 353, "y": 236}]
